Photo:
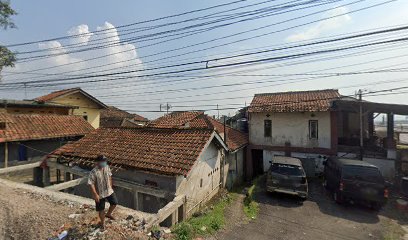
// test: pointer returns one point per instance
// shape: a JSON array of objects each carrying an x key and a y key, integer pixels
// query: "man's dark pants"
[{"x": 100, "y": 206}]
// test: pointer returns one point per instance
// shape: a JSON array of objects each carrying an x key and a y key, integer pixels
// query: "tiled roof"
[
  {"x": 53, "y": 95},
  {"x": 114, "y": 112},
  {"x": 164, "y": 151},
  {"x": 22, "y": 127},
  {"x": 302, "y": 101},
  {"x": 56, "y": 94},
  {"x": 174, "y": 119},
  {"x": 198, "y": 120},
  {"x": 31, "y": 104}
]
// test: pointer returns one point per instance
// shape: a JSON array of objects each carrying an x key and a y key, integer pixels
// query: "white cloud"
[
  {"x": 83, "y": 31},
  {"x": 120, "y": 56},
  {"x": 323, "y": 26}
]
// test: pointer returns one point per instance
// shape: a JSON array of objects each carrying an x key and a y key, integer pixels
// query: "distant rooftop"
[{"x": 30, "y": 104}]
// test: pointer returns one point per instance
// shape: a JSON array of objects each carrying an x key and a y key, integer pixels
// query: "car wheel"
[{"x": 337, "y": 197}]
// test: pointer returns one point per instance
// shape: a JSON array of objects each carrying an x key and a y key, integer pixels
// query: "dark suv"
[
  {"x": 286, "y": 175},
  {"x": 355, "y": 181}
]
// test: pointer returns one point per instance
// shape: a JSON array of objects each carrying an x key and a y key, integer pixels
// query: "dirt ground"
[
  {"x": 28, "y": 215},
  {"x": 285, "y": 217}
]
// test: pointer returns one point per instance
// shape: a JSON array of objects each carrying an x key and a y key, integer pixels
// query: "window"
[
  {"x": 268, "y": 128},
  {"x": 201, "y": 182},
  {"x": 3, "y": 125},
  {"x": 313, "y": 129},
  {"x": 85, "y": 117}
]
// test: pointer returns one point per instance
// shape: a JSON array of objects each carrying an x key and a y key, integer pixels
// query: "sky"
[{"x": 139, "y": 90}]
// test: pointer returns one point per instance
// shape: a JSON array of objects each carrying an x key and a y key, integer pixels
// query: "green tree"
[{"x": 7, "y": 57}]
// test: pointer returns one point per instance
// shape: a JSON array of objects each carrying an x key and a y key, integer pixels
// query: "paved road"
[{"x": 283, "y": 217}]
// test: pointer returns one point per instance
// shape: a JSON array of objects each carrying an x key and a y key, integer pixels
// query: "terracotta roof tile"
[
  {"x": 21, "y": 127},
  {"x": 164, "y": 151},
  {"x": 302, "y": 101},
  {"x": 198, "y": 120},
  {"x": 174, "y": 119},
  {"x": 114, "y": 117},
  {"x": 56, "y": 94}
]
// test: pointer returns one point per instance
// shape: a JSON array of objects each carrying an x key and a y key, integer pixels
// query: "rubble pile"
[{"x": 84, "y": 225}]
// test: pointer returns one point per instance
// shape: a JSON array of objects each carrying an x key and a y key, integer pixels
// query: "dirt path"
[{"x": 235, "y": 217}]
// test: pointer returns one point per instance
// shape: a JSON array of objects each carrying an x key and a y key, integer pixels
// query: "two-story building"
[
  {"x": 84, "y": 104},
  {"x": 312, "y": 125}
]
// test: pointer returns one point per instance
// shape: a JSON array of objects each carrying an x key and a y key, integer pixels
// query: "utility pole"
[
  {"x": 360, "y": 99},
  {"x": 218, "y": 116},
  {"x": 167, "y": 106}
]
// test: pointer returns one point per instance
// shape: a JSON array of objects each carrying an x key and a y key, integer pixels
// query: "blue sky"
[{"x": 43, "y": 19}]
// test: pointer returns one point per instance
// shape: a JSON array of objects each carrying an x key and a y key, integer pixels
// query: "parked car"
[
  {"x": 286, "y": 175},
  {"x": 355, "y": 181}
]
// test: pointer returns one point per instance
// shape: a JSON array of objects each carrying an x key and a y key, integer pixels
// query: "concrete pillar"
[
  {"x": 136, "y": 200},
  {"x": 46, "y": 177},
  {"x": 390, "y": 131},
  {"x": 38, "y": 176},
  {"x": 67, "y": 176}
]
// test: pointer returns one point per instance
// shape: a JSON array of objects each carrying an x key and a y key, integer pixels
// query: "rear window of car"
[
  {"x": 286, "y": 169},
  {"x": 361, "y": 173}
]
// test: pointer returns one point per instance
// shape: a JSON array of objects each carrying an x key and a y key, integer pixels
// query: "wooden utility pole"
[{"x": 360, "y": 99}]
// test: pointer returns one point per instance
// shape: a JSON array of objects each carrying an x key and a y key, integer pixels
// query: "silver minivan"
[{"x": 286, "y": 175}]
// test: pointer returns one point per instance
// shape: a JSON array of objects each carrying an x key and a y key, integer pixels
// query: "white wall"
[
  {"x": 209, "y": 170},
  {"x": 386, "y": 166},
  {"x": 290, "y": 127}
]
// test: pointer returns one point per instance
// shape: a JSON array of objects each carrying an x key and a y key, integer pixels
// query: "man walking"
[{"x": 100, "y": 181}]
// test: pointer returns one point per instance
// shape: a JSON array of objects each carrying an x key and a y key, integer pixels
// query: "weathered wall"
[
  {"x": 34, "y": 149},
  {"x": 86, "y": 107},
  {"x": 386, "y": 166},
  {"x": 234, "y": 168},
  {"x": 290, "y": 127},
  {"x": 206, "y": 170}
]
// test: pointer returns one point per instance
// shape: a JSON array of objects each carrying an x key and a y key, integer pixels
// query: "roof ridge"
[{"x": 294, "y": 92}]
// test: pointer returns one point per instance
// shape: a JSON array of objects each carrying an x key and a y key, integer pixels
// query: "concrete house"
[
  {"x": 237, "y": 141},
  {"x": 312, "y": 125},
  {"x": 299, "y": 124},
  {"x": 29, "y": 137},
  {"x": 115, "y": 117},
  {"x": 151, "y": 166},
  {"x": 85, "y": 105}
]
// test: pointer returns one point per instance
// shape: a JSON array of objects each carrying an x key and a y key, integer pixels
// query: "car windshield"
[
  {"x": 286, "y": 169},
  {"x": 368, "y": 174}
]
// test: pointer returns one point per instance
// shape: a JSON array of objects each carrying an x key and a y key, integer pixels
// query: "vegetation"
[
  {"x": 392, "y": 231},
  {"x": 251, "y": 208},
  {"x": 205, "y": 223},
  {"x": 7, "y": 58}
]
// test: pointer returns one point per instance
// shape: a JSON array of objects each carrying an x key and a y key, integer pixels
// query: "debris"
[
  {"x": 203, "y": 228},
  {"x": 167, "y": 231},
  {"x": 63, "y": 235},
  {"x": 130, "y": 217},
  {"x": 75, "y": 215}
]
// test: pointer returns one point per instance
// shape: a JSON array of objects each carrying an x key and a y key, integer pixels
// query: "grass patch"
[
  {"x": 392, "y": 231},
  {"x": 206, "y": 222},
  {"x": 251, "y": 208}
]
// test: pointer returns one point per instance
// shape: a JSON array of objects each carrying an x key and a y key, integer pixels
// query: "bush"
[
  {"x": 251, "y": 208},
  {"x": 184, "y": 231}
]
